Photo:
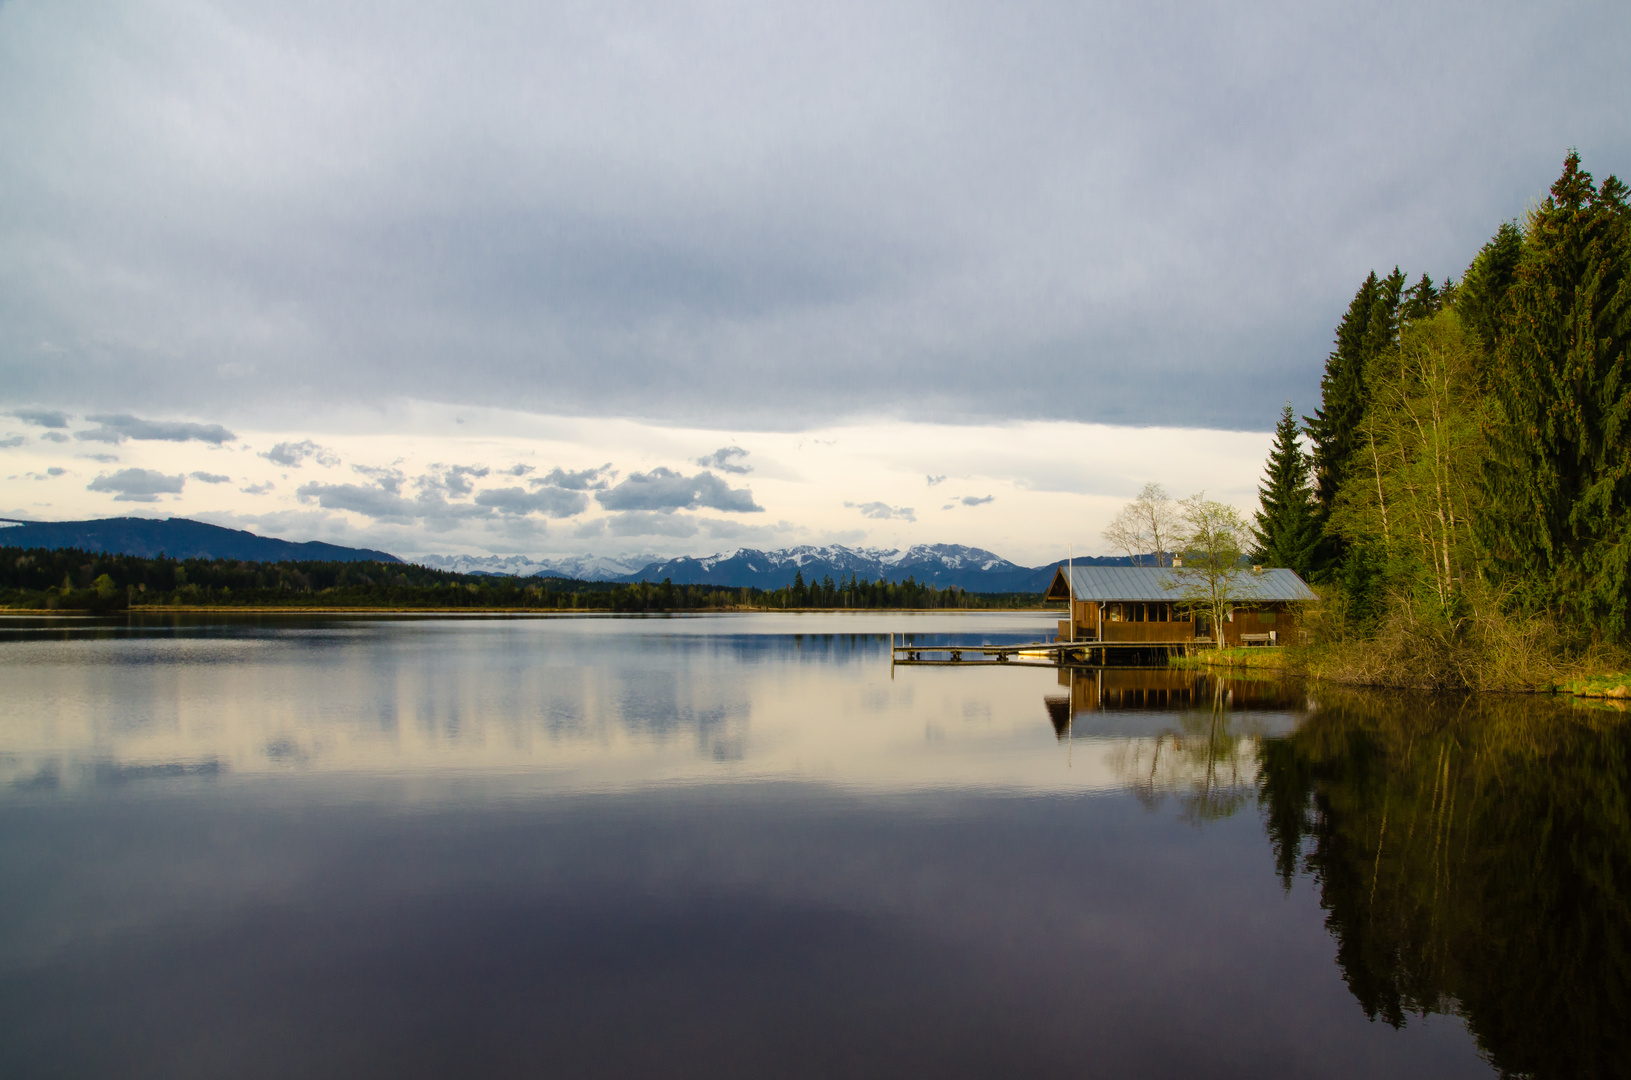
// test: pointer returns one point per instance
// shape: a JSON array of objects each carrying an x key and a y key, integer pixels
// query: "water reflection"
[
  {"x": 747, "y": 846},
  {"x": 1473, "y": 856}
]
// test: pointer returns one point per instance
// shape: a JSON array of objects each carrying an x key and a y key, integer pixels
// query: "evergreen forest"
[
  {"x": 1464, "y": 504},
  {"x": 68, "y": 579}
]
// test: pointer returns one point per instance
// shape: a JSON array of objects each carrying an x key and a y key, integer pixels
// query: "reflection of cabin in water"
[
  {"x": 1146, "y": 605},
  {"x": 1109, "y": 690}
]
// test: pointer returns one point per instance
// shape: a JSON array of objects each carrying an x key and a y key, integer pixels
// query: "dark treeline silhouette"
[
  {"x": 74, "y": 580},
  {"x": 1473, "y": 856}
]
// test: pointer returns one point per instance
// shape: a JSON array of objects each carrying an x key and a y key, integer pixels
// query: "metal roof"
[{"x": 1166, "y": 583}]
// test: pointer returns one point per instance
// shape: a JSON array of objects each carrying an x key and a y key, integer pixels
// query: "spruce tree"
[
  {"x": 1370, "y": 327},
  {"x": 1286, "y": 531},
  {"x": 1559, "y": 473},
  {"x": 1481, "y": 299}
]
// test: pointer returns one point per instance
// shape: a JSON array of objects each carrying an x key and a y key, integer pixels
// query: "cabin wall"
[{"x": 1278, "y": 619}]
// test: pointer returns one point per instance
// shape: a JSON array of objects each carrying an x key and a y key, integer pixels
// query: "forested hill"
[{"x": 179, "y": 538}]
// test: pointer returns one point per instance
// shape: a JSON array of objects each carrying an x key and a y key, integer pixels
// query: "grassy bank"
[{"x": 1257, "y": 658}]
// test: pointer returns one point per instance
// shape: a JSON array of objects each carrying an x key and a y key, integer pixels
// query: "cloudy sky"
[{"x": 619, "y": 277}]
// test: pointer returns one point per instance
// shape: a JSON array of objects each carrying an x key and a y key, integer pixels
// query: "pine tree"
[
  {"x": 1481, "y": 300},
  {"x": 1559, "y": 474},
  {"x": 1370, "y": 327},
  {"x": 1286, "y": 531}
]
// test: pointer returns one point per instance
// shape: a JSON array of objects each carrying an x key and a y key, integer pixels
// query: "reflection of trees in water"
[
  {"x": 1473, "y": 855},
  {"x": 1208, "y": 762}
]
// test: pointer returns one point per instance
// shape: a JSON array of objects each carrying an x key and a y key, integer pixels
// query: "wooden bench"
[{"x": 1258, "y": 639}]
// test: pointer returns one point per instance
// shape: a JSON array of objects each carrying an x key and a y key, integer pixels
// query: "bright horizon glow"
[{"x": 1027, "y": 491}]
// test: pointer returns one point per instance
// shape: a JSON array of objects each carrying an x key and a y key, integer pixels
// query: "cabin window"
[
  {"x": 1113, "y": 612},
  {"x": 1135, "y": 612},
  {"x": 1266, "y": 617}
]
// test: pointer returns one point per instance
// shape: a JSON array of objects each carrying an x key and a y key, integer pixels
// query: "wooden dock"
[{"x": 1032, "y": 654}]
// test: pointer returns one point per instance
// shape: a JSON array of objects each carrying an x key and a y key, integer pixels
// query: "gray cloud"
[
  {"x": 294, "y": 454},
  {"x": 373, "y": 501},
  {"x": 970, "y": 500},
  {"x": 1090, "y": 211},
  {"x": 55, "y": 470},
  {"x": 387, "y": 479},
  {"x": 581, "y": 480},
  {"x": 725, "y": 460},
  {"x": 46, "y": 418},
  {"x": 138, "y": 485},
  {"x": 551, "y": 502},
  {"x": 105, "y": 459},
  {"x": 883, "y": 511},
  {"x": 647, "y": 523},
  {"x": 55, "y": 436},
  {"x": 516, "y": 470},
  {"x": 261, "y": 488},
  {"x": 15, "y": 440},
  {"x": 665, "y": 490},
  {"x": 933, "y": 480},
  {"x": 211, "y": 478},
  {"x": 458, "y": 479},
  {"x": 117, "y": 427}
]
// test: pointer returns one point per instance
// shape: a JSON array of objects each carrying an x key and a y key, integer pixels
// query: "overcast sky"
[{"x": 309, "y": 222}]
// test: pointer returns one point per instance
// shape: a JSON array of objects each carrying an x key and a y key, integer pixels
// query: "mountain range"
[
  {"x": 179, "y": 538},
  {"x": 974, "y": 569},
  {"x": 943, "y": 565}
]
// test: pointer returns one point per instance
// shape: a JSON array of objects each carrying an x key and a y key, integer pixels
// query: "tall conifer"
[
  {"x": 1371, "y": 326},
  {"x": 1285, "y": 530},
  {"x": 1559, "y": 475},
  {"x": 1481, "y": 300}
]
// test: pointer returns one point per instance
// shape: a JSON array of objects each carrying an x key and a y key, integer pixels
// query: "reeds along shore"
[{"x": 1483, "y": 651}]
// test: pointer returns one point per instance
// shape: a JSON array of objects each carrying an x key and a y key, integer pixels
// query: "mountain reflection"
[{"x": 1473, "y": 857}]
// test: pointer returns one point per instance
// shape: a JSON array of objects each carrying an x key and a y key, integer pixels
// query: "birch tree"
[{"x": 1147, "y": 526}]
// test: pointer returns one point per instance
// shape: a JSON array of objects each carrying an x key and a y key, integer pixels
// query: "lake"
[{"x": 745, "y": 845}]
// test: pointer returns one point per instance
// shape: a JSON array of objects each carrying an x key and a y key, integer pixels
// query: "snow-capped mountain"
[
  {"x": 974, "y": 569},
  {"x": 941, "y": 564},
  {"x": 576, "y": 567}
]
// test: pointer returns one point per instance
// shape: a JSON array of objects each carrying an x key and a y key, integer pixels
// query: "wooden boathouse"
[{"x": 1149, "y": 606}]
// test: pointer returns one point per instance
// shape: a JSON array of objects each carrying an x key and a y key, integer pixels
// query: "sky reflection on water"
[{"x": 614, "y": 847}]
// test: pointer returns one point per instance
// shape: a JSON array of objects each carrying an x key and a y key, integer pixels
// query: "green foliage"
[
  {"x": 1407, "y": 506},
  {"x": 1559, "y": 472},
  {"x": 1286, "y": 531},
  {"x": 1476, "y": 439},
  {"x": 1213, "y": 549},
  {"x": 1481, "y": 300},
  {"x": 1370, "y": 326}
]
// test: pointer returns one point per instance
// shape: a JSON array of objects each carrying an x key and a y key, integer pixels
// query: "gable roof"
[{"x": 1108, "y": 583}]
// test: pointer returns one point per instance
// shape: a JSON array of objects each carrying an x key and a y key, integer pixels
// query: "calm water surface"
[{"x": 745, "y": 846}]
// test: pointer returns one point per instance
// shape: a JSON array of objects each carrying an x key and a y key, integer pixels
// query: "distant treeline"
[{"x": 73, "y": 580}]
